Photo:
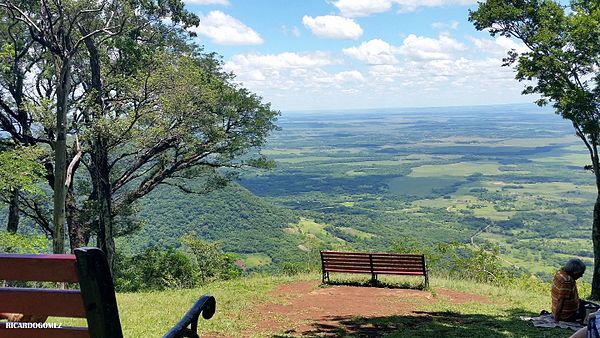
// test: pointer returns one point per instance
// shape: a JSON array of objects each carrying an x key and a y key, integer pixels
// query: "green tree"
[
  {"x": 20, "y": 173},
  {"x": 562, "y": 66},
  {"x": 55, "y": 26},
  {"x": 213, "y": 263},
  {"x": 19, "y": 56},
  {"x": 146, "y": 108}
]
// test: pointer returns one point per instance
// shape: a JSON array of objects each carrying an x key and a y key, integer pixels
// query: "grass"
[
  {"x": 152, "y": 314},
  {"x": 461, "y": 169},
  {"x": 310, "y": 227},
  {"x": 356, "y": 233},
  {"x": 256, "y": 259},
  {"x": 418, "y": 186}
]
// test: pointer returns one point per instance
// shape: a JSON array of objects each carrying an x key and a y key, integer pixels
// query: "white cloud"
[
  {"x": 278, "y": 61},
  {"x": 385, "y": 73},
  {"x": 498, "y": 47},
  {"x": 423, "y": 70},
  {"x": 445, "y": 25},
  {"x": 224, "y": 29},
  {"x": 412, "y": 5},
  {"x": 206, "y": 2},
  {"x": 349, "y": 76},
  {"x": 293, "y": 31},
  {"x": 373, "y": 52},
  {"x": 353, "y": 8},
  {"x": 333, "y": 27},
  {"x": 281, "y": 74},
  {"x": 296, "y": 31},
  {"x": 424, "y": 48}
]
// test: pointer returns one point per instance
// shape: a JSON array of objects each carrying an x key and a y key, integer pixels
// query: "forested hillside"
[{"x": 243, "y": 222}]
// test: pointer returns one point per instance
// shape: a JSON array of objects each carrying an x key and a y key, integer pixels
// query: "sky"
[{"x": 358, "y": 54}]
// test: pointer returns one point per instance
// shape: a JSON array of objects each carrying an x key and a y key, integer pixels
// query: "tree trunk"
[
  {"x": 100, "y": 168},
  {"x": 102, "y": 184},
  {"x": 60, "y": 155},
  {"x": 13, "y": 212},
  {"x": 596, "y": 242},
  {"x": 78, "y": 232},
  {"x": 596, "y": 224}
]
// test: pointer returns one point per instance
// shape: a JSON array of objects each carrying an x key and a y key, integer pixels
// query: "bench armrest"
[{"x": 206, "y": 306}]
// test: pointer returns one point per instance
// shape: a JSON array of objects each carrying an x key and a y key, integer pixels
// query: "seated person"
[{"x": 566, "y": 305}]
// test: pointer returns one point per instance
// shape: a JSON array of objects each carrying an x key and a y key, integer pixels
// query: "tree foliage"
[
  {"x": 20, "y": 169},
  {"x": 142, "y": 107}
]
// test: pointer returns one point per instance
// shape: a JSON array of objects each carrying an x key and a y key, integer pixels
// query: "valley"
[{"x": 365, "y": 179}]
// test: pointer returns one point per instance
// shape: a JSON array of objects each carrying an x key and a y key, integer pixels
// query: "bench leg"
[
  {"x": 325, "y": 275},
  {"x": 426, "y": 280}
]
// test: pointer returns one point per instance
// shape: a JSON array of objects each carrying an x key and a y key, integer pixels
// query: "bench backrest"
[
  {"x": 95, "y": 300},
  {"x": 373, "y": 262}
]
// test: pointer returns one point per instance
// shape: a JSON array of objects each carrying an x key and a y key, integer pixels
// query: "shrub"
[
  {"x": 155, "y": 269},
  {"x": 212, "y": 262},
  {"x": 160, "y": 269},
  {"x": 463, "y": 261},
  {"x": 17, "y": 243},
  {"x": 294, "y": 268}
]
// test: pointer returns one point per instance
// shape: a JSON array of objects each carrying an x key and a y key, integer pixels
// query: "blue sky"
[{"x": 352, "y": 54}]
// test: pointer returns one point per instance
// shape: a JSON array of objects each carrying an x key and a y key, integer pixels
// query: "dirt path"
[{"x": 305, "y": 309}]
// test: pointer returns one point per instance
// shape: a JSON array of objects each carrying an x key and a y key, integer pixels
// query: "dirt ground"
[{"x": 307, "y": 309}]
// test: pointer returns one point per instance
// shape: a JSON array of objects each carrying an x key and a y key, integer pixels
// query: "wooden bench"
[
  {"x": 95, "y": 300},
  {"x": 373, "y": 263}
]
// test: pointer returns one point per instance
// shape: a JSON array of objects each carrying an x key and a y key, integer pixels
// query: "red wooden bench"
[
  {"x": 95, "y": 300},
  {"x": 373, "y": 263}
]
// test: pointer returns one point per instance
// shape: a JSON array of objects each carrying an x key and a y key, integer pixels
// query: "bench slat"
[
  {"x": 41, "y": 268},
  {"x": 399, "y": 258},
  {"x": 407, "y": 273},
  {"x": 382, "y": 254},
  {"x": 331, "y": 268},
  {"x": 348, "y": 270},
  {"x": 357, "y": 258},
  {"x": 378, "y": 268},
  {"x": 358, "y": 261},
  {"x": 64, "y": 332},
  {"x": 400, "y": 266},
  {"x": 47, "y": 302},
  {"x": 347, "y": 263},
  {"x": 383, "y": 268},
  {"x": 374, "y": 258}
]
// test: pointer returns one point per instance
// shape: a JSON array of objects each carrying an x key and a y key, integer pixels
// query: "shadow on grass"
[
  {"x": 376, "y": 284},
  {"x": 429, "y": 324}
]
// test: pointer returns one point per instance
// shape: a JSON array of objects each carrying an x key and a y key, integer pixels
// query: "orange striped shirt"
[{"x": 564, "y": 287}]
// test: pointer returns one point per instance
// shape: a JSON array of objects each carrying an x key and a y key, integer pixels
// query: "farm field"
[{"x": 439, "y": 174}]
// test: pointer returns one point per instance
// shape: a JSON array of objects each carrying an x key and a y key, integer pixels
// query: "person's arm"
[{"x": 559, "y": 308}]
